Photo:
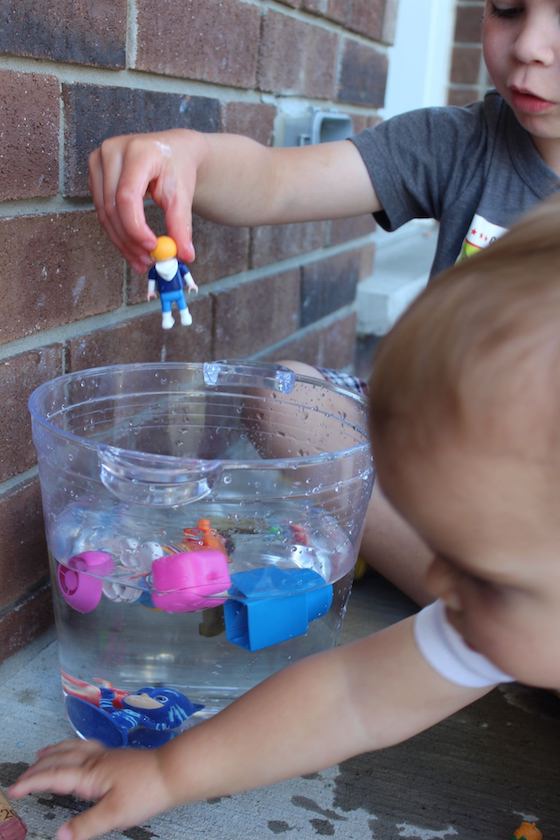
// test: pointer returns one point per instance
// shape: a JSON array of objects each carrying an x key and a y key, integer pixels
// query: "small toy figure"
[
  {"x": 145, "y": 718},
  {"x": 11, "y": 826},
  {"x": 527, "y": 831},
  {"x": 203, "y": 536},
  {"x": 171, "y": 278}
]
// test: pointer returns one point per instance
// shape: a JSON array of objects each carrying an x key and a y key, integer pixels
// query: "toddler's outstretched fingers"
[{"x": 100, "y": 819}]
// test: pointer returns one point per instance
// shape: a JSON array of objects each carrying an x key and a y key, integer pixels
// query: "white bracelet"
[{"x": 446, "y": 651}]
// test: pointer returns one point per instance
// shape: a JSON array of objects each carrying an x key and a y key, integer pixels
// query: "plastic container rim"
[{"x": 43, "y": 420}]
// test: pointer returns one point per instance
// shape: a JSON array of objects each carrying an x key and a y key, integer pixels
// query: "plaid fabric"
[{"x": 344, "y": 380}]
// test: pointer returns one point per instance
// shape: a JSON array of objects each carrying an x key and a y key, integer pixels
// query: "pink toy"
[
  {"x": 79, "y": 588},
  {"x": 180, "y": 581}
]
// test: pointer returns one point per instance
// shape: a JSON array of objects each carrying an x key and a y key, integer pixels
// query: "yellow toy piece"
[
  {"x": 527, "y": 831},
  {"x": 165, "y": 249},
  {"x": 360, "y": 568}
]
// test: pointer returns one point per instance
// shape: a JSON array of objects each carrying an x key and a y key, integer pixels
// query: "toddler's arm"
[
  {"x": 226, "y": 178},
  {"x": 360, "y": 697}
]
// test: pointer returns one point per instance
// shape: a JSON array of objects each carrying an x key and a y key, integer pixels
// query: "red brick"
[
  {"x": 29, "y": 119},
  {"x": 297, "y": 57},
  {"x": 142, "y": 339},
  {"x": 465, "y": 65},
  {"x": 344, "y": 229},
  {"x": 274, "y": 243},
  {"x": 319, "y": 7},
  {"x": 211, "y": 40},
  {"x": 328, "y": 285},
  {"x": 75, "y": 31},
  {"x": 253, "y": 315},
  {"x": 30, "y": 618},
  {"x": 221, "y": 250},
  {"x": 69, "y": 269},
  {"x": 468, "y": 23},
  {"x": 363, "y": 76},
  {"x": 23, "y": 559},
  {"x": 92, "y": 113},
  {"x": 254, "y": 120},
  {"x": 327, "y": 345},
  {"x": 20, "y": 375},
  {"x": 362, "y": 16}
]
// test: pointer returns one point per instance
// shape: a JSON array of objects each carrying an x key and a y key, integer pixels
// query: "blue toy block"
[{"x": 270, "y": 605}]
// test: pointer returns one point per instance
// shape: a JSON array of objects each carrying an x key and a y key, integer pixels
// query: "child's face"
[
  {"x": 521, "y": 41},
  {"x": 495, "y": 533}
]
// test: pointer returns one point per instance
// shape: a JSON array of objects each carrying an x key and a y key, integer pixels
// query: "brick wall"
[
  {"x": 73, "y": 72},
  {"x": 468, "y": 77}
]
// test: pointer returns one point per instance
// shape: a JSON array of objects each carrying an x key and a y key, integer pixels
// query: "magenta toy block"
[
  {"x": 80, "y": 579},
  {"x": 182, "y": 582}
]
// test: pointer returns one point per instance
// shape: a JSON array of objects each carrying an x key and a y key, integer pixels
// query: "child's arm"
[
  {"x": 364, "y": 696},
  {"x": 226, "y": 178}
]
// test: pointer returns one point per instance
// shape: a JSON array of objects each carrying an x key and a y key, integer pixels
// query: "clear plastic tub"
[{"x": 203, "y": 521}]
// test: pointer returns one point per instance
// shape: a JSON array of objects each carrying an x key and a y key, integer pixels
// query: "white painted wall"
[
  {"x": 419, "y": 65},
  {"x": 420, "y": 59}
]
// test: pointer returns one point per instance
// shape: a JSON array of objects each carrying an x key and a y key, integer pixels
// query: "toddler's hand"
[
  {"x": 123, "y": 169},
  {"x": 127, "y": 785}
]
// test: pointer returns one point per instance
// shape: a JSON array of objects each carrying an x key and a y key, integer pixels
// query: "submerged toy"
[
  {"x": 183, "y": 582},
  {"x": 80, "y": 580},
  {"x": 203, "y": 536},
  {"x": 270, "y": 605},
  {"x": 145, "y": 718},
  {"x": 527, "y": 831},
  {"x": 171, "y": 277}
]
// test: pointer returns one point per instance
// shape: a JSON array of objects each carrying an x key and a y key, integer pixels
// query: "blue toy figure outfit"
[{"x": 171, "y": 277}]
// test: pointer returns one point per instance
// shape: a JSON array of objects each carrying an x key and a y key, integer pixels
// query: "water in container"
[{"x": 203, "y": 521}]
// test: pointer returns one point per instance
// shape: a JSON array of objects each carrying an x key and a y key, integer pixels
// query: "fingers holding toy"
[
  {"x": 124, "y": 169},
  {"x": 127, "y": 785}
]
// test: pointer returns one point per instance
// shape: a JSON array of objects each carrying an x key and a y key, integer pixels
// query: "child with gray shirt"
[{"x": 474, "y": 169}]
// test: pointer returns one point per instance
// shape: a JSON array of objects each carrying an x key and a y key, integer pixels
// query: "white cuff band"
[{"x": 446, "y": 651}]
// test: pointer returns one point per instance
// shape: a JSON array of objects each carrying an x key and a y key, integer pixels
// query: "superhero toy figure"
[
  {"x": 145, "y": 718},
  {"x": 171, "y": 277}
]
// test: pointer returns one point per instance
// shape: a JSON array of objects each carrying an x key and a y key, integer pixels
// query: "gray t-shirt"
[{"x": 474, "y": 169}]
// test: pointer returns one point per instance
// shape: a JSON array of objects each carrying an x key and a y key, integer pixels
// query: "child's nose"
[
  {"x": 441, "y": 580},
  {"x": 534, "y": 42}
]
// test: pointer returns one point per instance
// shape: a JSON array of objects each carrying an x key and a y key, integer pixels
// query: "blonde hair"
[{"x": 478, "y": 352}]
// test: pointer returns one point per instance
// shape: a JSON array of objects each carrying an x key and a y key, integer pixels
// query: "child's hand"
[
  {"x": 128, "y": 785},
  {"x": 123, "y": 169}
]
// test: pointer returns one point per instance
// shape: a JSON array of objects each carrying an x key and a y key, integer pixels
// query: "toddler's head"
[{"x": 465, "y": 424}]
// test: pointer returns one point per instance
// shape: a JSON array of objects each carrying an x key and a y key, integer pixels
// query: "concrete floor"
[{"x": 473, "y": 777}]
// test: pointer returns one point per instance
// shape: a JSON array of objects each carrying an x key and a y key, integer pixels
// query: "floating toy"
[
  {"x": 203, "y": 536},
  {"x": 145, "y": 718},
  {"x": 270, "y": 605},
  {"x": 80, "y": 579},
  {"x": 527, "y": 831},
  {"x": 183, "y": 582}
]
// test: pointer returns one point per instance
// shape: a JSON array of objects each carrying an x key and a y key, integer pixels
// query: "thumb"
[{"x": 178, "y": 221}]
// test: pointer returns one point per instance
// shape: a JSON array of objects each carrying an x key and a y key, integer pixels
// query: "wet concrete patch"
[
  {"x": 279, "y": 827},
  {"x": 10, "y": 771}
]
